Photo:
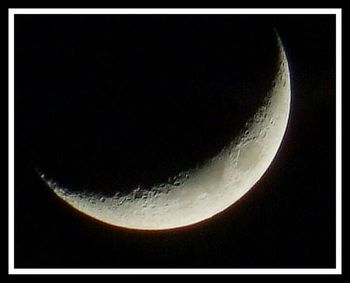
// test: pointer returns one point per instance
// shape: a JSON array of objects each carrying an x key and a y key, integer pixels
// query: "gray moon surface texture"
[{"x": 201, "y": 193}]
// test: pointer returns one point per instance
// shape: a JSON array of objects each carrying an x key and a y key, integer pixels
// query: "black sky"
[{"x": 287, "y": 220}]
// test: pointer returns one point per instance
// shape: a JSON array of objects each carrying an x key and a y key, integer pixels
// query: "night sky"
[{"x": 145, "y": 77}]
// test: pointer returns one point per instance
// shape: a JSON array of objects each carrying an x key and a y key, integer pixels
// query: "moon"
[{"x": 199, "y": 193}]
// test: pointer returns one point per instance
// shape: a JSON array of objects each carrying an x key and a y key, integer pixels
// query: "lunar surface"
[{"x": 198, "y": 193}]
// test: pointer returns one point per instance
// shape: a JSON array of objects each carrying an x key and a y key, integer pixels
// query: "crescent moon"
[{"x": 201, "y": 193}]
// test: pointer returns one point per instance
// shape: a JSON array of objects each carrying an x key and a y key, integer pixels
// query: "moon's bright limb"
[{"x": 199, "y": 194}]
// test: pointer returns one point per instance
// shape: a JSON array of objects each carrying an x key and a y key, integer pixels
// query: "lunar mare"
[{"x": 200, "y": 193}]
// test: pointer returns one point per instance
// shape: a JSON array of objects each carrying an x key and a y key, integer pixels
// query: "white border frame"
[{"x": 337, "y": 270}]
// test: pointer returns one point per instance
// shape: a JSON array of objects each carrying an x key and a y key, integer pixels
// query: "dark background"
[{"x": 287, "y": 220}]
